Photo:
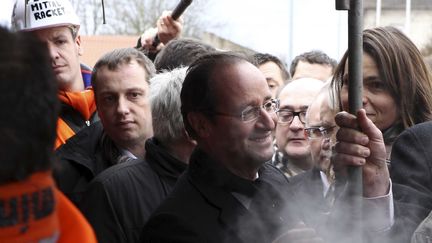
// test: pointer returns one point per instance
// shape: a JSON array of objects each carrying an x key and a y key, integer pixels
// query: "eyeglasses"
[
  {"x": 319, "y": 132},
  {"x": 252, "y": 113},
  {"x": 286, "y": 117}
]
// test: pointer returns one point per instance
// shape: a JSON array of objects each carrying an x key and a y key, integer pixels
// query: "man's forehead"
[
  {"x": 54, "y": 32},
  {"x": 240, "y": 80}
]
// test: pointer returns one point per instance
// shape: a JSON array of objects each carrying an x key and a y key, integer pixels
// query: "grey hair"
[{"x": 165, "y": 105}]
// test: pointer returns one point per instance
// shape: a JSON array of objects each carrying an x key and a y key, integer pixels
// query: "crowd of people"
[{"x": 182, "y": 142}]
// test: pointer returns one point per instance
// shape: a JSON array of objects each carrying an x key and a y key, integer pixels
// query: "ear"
[
  {"x": 188, "y": 138},
  {"x": 78, "y": 43},
  {"x": 199, "y": 123}
]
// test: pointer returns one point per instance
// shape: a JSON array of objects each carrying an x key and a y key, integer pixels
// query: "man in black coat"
[
  {"x": 120, "y": 81},
  {"x": 316, "y": 186},
  {"x": 228, "y": 193},
  {"x": 120, "y": 200}
]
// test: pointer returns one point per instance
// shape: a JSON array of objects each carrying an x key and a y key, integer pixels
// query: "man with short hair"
[
  {"x": 315, "y": 186},
  {"x": 293, "y": 152},
  {"x": 120, "y": 80},
  {"x": 313, "y": 64},
  {"x": 60, "y": 33},
  {"x": 180, "y": 52},
  {"x": 274, "y": 70},
  {"x": 228, "y": 193},
  {"x": 120, "y": 200}
]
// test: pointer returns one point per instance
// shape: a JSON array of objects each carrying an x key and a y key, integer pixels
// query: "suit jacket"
[{"x": 209, "y": 204}]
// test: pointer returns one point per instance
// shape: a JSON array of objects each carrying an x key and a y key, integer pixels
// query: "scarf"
[{"x": 81, "y": 101}]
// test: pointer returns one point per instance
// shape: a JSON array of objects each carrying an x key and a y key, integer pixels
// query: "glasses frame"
[
  {"x": 255, "y": 110},
  {"x": 324, "y": 131},
  {"x": 294, "y": 114}
]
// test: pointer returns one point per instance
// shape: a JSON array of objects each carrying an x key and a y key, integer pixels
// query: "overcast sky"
[
  {"x": 284, "y": 28},
  {"x": 5, "y": 11},
  {"x": 281, "y": 27}
]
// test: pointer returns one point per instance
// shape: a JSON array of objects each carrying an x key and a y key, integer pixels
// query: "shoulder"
[
  {"x": 187, "y": 200},
  {"x": 304, "y": 177},
  {"x": 84, "y": 142},
  {"x": 273, "y": 175},
  {"x": 421, "y": 131},
  {"x": 167, "y": 227},
  {"x": 133, "y": 170},
  {"x": 414, "y": 142}
]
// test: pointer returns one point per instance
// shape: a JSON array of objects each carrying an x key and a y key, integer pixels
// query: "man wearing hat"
[{"x": 57, "y": 24}]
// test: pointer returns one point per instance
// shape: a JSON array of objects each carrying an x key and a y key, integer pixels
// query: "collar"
[
  {"x": 127, "y": 153},
  {"x": 214, "y": 173},
  {"x": 161, "y": 161}
]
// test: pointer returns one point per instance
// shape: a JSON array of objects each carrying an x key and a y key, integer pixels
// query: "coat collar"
[{"x": 161, "y": 161}]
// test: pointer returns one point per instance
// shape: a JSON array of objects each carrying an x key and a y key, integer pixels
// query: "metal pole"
[
  {"x": 378, "y": 13},
  {"x": 355, "y": 90},
  {"x": 354, "y": 187},
  {"x": 407, "y": 17}
]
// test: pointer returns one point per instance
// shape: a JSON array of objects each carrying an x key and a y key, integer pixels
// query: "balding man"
[{"x": 293, "y": 152}]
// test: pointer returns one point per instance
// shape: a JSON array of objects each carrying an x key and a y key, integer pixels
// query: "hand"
[
  {"x": 363, "y": 148},
  {"x": 299, "y": 234},
  {"x": 168, "y": 28},
  {"x": 147, "y": 40}
]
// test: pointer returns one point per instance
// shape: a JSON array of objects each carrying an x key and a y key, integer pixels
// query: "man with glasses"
[
  {"x": 293, "y": 151},
  {"x": 228, "y": 193},
  {"x": 323, "y": 203},
  {"x": 315, "y": 186}
]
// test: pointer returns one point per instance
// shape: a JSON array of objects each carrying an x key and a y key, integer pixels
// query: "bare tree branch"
[{"x": 133, "y": 17}]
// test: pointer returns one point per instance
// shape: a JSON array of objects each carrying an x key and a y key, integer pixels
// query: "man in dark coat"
[
  {"x": 228, "y": 193},
  {"x": 316, "y": 186},
  {"x": 120, "y": 200},
  {"x": 120, "y": 82}
]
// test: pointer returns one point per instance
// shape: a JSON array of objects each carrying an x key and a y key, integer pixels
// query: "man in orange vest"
[{"x": 57, "y": 25}]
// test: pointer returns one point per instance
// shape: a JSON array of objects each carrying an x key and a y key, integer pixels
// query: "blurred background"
[{"x": 284, "y": 28}]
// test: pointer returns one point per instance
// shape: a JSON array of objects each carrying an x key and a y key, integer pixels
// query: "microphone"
[{"x": 176, "y": 13}]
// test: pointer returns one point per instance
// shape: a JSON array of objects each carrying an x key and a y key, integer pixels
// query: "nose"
[
  {"x": 122, "y": 106},
  {"x": 326, "y": 144},
  {"x": 54, "y": 54},
  {"x": 296, "y": 124},
  {"x": 365, "y": 97},
  {"x": 267, "y": 119}
]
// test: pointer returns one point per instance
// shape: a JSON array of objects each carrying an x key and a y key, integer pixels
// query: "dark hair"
[
  {"x": 113, "y": 59},
  {"x": 402, "y": 68},
  {"x": 28, "y": 96},
  {"x": 312, "y": 57},
  {"x": 180, "y": 52},
  {"x": 197, "y": 94},
  {"x": 261, "y": 58}
]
